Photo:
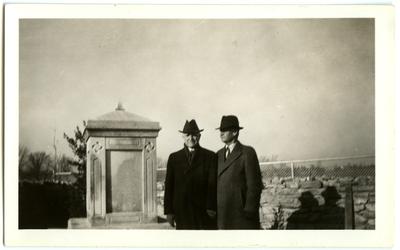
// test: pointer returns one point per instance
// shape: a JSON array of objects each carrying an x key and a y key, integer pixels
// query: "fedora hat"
[
  {"x": 229, "y": 122},
  {"x": 191, "y": 127}
]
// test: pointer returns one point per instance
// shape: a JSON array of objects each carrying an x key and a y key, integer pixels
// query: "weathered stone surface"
[
  {"x": 293, "y": 185},
  {"x": 266, "y": 196},
  {"x": 363, "y": 188},
  {"x": 310, "y": 184},
  {"x": 371, "y": 207},
  {"x": 359, "y": 201},
  {"x": 360, "y": 226},
  {"x": 287, "y": 191},
  {"x": 289, "y": 202},
  {"x": 371, "y": 222},
  {"x": 160, "y": 186},
  {"x": 359, "y": 219},
  {"x": 276, "y": 180},
  {"x": 361, "y": 180},
  {"x": 370, "y": 227},
  {"x": 371, "y": 199},
  {"x": 367, "y": 214},
  {"x": 364, "y": 195},
  {"x": 358, "y": 208}
]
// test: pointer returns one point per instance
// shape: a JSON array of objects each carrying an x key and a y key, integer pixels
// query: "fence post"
[
  {"x": 348, "y": 209},
  {"x": 292, "y": 169}
]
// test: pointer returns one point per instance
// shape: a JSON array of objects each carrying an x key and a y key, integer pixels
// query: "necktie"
[
  {"x": 227, "y": 152},
  {"x": 191, "y": 154}
]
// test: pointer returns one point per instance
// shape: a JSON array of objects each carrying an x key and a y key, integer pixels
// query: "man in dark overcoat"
[
  {"x": 190, "y": 183},
  {"x": 239, "y": 182}
]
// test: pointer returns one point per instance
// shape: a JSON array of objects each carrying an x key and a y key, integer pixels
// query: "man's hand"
[
  {"x": 211, "y": 213},
  {"x": 171, "y": 219}
]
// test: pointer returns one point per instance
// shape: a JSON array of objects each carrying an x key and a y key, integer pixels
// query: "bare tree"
[
  {"x": 39, "y": 162},
  {"x": 23, "y": 156}
]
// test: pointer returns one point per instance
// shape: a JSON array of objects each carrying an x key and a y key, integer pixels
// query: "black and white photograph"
[{"x": 191, "y": 124}]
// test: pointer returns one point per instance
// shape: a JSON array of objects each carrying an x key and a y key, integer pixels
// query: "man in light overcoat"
[
  {"x": 239, "y": 182},
  {"x": 190, "y": 197}
]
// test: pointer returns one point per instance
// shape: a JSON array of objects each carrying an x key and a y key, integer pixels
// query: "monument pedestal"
[{"x": 120, "y": 170}]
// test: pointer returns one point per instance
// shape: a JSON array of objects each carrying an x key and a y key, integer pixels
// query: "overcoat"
[
  {"x": 190, "y": 188},
  {"x": 239, "y": 189}
]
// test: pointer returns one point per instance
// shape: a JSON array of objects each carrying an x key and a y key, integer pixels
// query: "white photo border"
[{"x": 382, "y": 236}]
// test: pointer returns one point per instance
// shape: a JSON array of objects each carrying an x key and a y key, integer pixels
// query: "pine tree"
[{"x": 78, "y": 146}]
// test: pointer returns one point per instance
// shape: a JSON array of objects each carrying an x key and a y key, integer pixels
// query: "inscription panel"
[
  {"x": 124, "y": 181},
  {"x": 124, "y": 143}
]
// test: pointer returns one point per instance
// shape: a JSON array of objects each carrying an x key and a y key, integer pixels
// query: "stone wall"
[
  {"x": 316, "y": 204},
  {"x": 303, "y": 203}
]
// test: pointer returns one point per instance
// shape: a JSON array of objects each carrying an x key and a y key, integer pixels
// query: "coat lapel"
[
  {"x": 191, "y": 165},
  {"x": 224, "y": 164}
]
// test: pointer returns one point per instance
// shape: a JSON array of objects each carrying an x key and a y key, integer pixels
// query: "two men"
[{"x": 199, "y": 185}]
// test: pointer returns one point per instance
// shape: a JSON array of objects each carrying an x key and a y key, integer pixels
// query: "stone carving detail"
[
  {"x": 149, "y": 147},
  {"x": 97, "y": 147}
]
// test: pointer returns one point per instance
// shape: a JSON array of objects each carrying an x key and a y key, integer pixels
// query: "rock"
[
  {"x": 358, "y": 208},
  {"x": 361, "y": 180},
  {"x": 361, "y": 195},
  {"x": 367, "y": 214},
  {"x": 289, "y": 202},
  {"x": 359, "y": 219},
  {"x": 346, "y": 180},
  {"x": 160, "y": 186},
  {"x": 359, "y": 201},
  {"x": 371, "y": 222},
  {"x": 371, "y": 207},
  {"x": 276, "y": 180},
  {"x": 293, "y": 184},
  {"x": 266, "y": 197},
  {"x": 360, "y": 226},
  {"x": 363, "y": 188},
  {"x": 288, "y": 191},
  {"x": 310, "y": 184},
  {"x": 370, "y": 227},
  {"x": 371, "y": 199}
]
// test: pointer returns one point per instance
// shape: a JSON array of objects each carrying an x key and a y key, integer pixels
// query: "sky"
[{"x": 301, "y": 88}]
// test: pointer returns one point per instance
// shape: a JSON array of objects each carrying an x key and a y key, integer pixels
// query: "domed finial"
[{"x": 119, "y": 107}]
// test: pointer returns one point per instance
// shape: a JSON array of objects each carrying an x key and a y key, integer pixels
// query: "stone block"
[
  {"x": 360, "y": 226},
  {"x": 289, "y": 202},
  {"x": 293, "y": 185},
  {"x": 360, "y": 201},
  {"x": 358, "y": 208},
  {"x": 361, "y": 195},
  {"x": 371, "y": 207},
  {"x": 370, "y": 227},
  {"x": 367, "y": 214},
  {"x": 266, "y": 197},
  {"x": 359, "y": 219},
  {"x": 310, "y": 184},
  {"x": 288, "y": 191},
  {"x": 276, "y": 180},
  {"x": 363, "y": 188},
  {"x": 361, "y": 180},
  {"x": 345, "y": 180},
  {"x": 371, "y": 198},
  {"x": 160, "y": 186},
  {"x": 371, "y": 222},
  {"x": 78, "y": 223}
]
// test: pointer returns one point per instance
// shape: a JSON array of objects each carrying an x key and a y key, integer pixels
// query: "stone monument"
[{"x": 120, "y": 170}]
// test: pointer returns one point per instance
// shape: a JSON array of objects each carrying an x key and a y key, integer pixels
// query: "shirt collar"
[{"x": 231, "y": 146}]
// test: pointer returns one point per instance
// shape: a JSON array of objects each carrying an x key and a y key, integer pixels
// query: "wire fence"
[{"x": 352, "y": 166}]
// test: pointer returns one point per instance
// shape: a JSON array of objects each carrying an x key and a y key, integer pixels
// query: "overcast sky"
[{"x": 301, "y": 88}]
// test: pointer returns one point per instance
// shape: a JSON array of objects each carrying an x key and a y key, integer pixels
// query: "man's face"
[
  {"x": 191, "y": 140},
  {"x": 227, "y": 136}
]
